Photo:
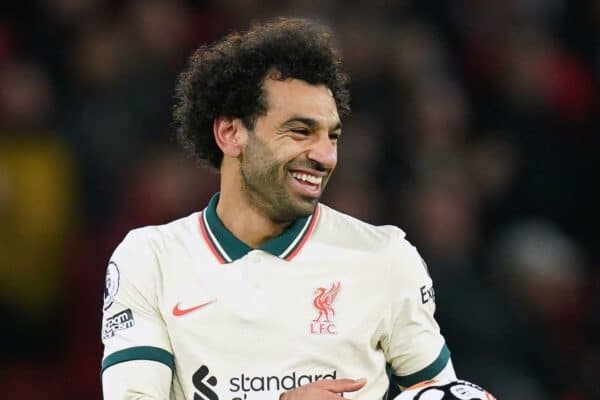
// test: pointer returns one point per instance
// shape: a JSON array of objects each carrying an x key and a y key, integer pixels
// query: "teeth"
[{"x": 315, "y": 180}]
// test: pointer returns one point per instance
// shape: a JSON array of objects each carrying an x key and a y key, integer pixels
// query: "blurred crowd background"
[{"x": 475, "y": 129}]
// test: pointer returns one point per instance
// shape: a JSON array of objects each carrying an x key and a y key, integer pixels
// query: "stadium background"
[{"x": 475, "y": 128}]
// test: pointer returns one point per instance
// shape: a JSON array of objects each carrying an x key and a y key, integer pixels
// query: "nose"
[{"x": 324, "y": 151}]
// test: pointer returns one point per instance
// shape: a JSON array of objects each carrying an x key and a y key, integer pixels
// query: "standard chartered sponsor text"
[{"x": 244, "y": 386}]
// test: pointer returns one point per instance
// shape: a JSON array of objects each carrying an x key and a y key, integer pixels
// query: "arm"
[
  {"x": 326, "y": 389},
  {"x": 137, "y": 379},
  {"x": 138, "y": 360},
  {"x": 414, "y": 347},
  {"x": 447, "y": 373}
]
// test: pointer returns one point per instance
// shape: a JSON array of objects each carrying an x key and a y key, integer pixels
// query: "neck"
[{"x": 241, "y": 216}]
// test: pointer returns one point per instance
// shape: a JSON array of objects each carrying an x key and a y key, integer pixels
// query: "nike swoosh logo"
[{"x": 178, "y": 312}]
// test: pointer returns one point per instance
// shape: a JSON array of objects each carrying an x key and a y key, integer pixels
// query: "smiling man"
[{"x": 266, "y": 293}]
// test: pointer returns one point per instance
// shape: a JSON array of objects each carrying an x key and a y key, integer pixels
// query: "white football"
[{"x": 445, "y": 390}]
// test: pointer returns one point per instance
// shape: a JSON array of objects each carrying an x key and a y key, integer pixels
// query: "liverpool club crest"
[{"x": 324, "y": 302}]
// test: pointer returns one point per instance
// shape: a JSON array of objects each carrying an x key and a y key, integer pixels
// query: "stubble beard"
[{"x": 264, "y": 184}]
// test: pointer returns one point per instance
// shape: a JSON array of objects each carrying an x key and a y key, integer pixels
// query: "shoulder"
[
  {"x": 337, "y": 227},
  {"x": 387, "y": 241},
  {"x": 147, "y": 244}
]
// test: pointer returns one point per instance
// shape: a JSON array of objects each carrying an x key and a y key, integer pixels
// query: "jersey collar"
[{"x": 227, "y": 248}]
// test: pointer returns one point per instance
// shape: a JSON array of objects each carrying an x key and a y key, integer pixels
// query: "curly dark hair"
[{"x": 226, "y": 78}]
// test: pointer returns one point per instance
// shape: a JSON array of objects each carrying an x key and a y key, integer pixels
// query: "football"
[{"x": 445, "y": 390}]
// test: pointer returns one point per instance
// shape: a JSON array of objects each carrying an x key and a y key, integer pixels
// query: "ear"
[{"x": 230, "y": 135}]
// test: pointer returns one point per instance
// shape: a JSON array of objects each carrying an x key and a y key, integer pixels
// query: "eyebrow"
[{"x": 311, "y": 123}]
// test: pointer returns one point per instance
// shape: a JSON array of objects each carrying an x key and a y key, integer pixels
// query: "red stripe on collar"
[
  {"x": 307, "y": 234},
  {"x": 208, "y": 240}
]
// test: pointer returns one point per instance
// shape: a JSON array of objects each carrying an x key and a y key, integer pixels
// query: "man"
[{"x": 266, "y": 293}]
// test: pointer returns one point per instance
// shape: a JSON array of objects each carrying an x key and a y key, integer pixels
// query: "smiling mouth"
[
  {"x": 308, "y": 184},
  {"x": 307, "y": 178}
]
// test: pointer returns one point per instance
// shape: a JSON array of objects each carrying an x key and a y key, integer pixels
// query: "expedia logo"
[{"x": 245, "y": 387}]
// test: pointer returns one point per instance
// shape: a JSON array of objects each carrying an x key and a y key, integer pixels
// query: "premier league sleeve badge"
[{"x": 112, "y": 284}]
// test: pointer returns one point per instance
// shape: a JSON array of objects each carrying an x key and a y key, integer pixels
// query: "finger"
[
  {"x": 310, "y": 392},
  {"x": 324, "y": 394},
  {"x": 341, "y": 385},
  {"x": 327, "y": 395}
]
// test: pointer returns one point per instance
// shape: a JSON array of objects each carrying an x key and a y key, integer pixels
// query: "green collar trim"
[{"x": 228, "y": 248}]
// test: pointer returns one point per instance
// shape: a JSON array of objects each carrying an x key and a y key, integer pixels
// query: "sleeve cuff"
[
  {"x": 139, "y": 353},
  {"x": 426, "y": 373}
]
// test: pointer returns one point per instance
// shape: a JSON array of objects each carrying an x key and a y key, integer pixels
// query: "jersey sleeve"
[
  {"x": 134, "y": 334},
  {"x": 138, "y": 379},
  {"x": 414, "y": 347}
]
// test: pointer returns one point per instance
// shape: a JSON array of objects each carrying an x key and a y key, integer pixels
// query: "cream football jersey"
[{"x": 331, "y": 297}]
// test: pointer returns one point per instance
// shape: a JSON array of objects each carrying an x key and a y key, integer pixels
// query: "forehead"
[{"x": 296, "y": 97}]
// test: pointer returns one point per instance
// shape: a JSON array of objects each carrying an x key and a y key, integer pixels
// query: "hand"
[{"x": 324, "y": 389}]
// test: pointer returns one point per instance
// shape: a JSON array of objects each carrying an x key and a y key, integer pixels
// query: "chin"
[
  {"x": 295, "y": 209},
  {"x": 307, "y": 206}
]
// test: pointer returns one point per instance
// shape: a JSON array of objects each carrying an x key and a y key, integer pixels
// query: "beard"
[{"x": 265, "y": 183}]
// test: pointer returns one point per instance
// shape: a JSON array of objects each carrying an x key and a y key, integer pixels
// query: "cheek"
[{"x": 289, "y": 153}]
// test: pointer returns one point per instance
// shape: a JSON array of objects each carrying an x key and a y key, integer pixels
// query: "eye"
[
  {"x": 334, "y": 137},
  {"x": 300, "y": 131}
]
